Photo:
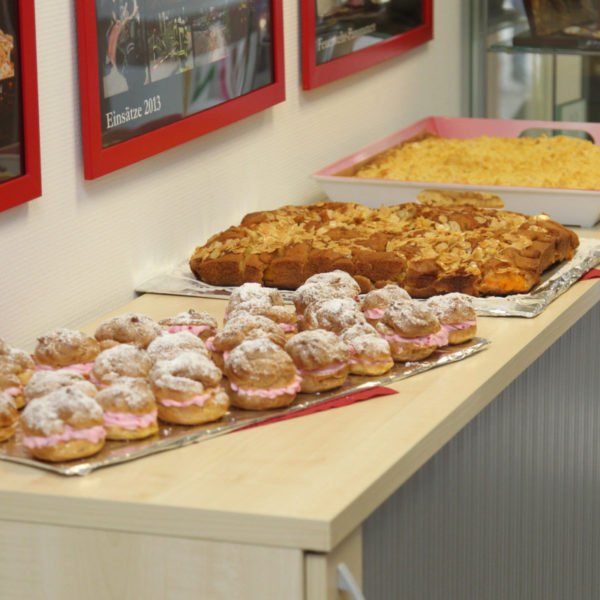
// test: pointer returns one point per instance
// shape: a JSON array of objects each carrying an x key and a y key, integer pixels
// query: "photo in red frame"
[
  {"x": 20, "y": 177},
  {"x": 157, "y": 73},
  {"x": 341, "y": 37}
]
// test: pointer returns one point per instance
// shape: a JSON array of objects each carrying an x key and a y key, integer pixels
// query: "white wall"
[{"x": 80, "y": 249}]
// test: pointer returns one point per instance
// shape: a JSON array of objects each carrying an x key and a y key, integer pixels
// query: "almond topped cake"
[{"x": 426, "y": 249}]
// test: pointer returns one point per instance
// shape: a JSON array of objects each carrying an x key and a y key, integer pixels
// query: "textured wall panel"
[{"x": 509, "y": 509}]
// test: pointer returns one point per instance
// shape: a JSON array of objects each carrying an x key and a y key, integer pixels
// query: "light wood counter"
[{"x": 301, "y": 485}]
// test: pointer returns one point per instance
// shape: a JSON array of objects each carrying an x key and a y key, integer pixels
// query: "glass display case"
[{"x": 535, "y": 59}]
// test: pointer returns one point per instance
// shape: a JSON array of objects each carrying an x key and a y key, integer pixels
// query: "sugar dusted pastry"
[
  {"x": 188, "y": 390},
  {"x": 44, "y": 382},
  {"x": 16, "y": 368},
  {"x": 376, "y": 301},
  {"x": 370, "y": 354},
  {"x": 67, "y": 349},
  {"x": 9, "y": 416},
  {"x": 251, "y": 292},
  {"x": 456, "y": 314},
  {"x": 334, "y": 315},
  {"x": 325, "y": 286},
  {"x": 129, "y": 409},
  {"x": 261, "y": 375},
  {"x": 412, "y": 330},
  {"x": 243, "y": 326},
  {"x": 201, "y": 324},
  {"x": 124, "y": 360},
  {"x": 128, "y": 328},
  {"x": 321, "y": 359},
  {"x": 169, "y": 346},
  {"x": 63, "y": 425}
]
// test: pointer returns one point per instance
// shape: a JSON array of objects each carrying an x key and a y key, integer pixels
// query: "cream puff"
[
  {"x": 336, "y": 315},
  {"x": 261, "y": 375},
  {"x": 188, "y": 390},
  {"x": 321, "y": 359},
  {"x": 124, "y": 360},
  {"x": 128, "y": 328},
  {"x": 169, "y": 346},
  {"x": 370, "y": 354},
  {"x": 456, "y": 314},
  {"x": 44, "y": 382},
  {"x": 243, "y": 326},
  {"x": 67, "y": 349},
  {"x": 251, "y": 292},
  {"x": 200, "y": 324},
  {"x": 376, "y": 301},
  {"x": 63, "y": 425},
  {"x": 324, "y": 286},
  {"x": 9, "y": 416},
  {"x": 16, "y": 368},
  {"x": 129, "y": 409},
  {"x": 412, "y": 330}
]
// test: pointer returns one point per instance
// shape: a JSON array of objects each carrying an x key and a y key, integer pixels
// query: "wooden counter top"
[{"x": 301, "y": 483}]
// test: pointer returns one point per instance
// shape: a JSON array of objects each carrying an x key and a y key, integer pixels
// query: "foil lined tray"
[
  {"x": 175, "y": 436},
  {"x": 180, "y": 281}
]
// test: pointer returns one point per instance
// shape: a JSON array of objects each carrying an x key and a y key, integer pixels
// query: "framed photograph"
[
  {"x": 340, "y": 37},
  {"x": 158, "y": 73},
  {"x": 20, "y": 178}
]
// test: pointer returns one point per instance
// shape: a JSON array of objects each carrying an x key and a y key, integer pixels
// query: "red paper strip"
[
  {"x": 344, "y": 400},
  {"x": 591, "y": 274}
]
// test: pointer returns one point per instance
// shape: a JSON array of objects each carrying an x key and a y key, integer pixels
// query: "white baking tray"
[{"x": 567, "y": 206}]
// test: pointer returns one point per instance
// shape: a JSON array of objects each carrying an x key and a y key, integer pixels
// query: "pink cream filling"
[
  {"x": 287, "y": 327},
  {"x": 358, "y": 361},
  {"x": 12, "y": 391},
  {"x": 92, "y": 434},
  {"x": 434, "y": 339},
  {"x": 193, "y": 401},
  {"x": 374, "y": 313},
  {"x": 195, "y": 329},
  {"x": 269, "y": 392},
  {"x": 459, "y": 326},
  {"x": 209, "y": 344},
  {"x": 129, "y": 421},
  {"x": 81, "y": 368}
]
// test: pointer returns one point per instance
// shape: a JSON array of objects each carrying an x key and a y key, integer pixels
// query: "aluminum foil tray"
[
  {"x": 180, "y": 281},
  {"x": 176, "y": 436}
]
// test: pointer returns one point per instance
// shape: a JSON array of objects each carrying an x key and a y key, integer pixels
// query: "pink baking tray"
[{"x": 567, "y": 206}]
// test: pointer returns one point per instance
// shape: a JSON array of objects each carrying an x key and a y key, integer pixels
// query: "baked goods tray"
[
  {"x": 567, "y": 206},
  {"x": 176, "y": 436},
  {"x": 180, "y": 281}
]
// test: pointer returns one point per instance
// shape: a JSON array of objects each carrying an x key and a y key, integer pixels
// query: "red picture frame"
[
  {"x": 316, "y": 73},
  {"x": 27, "y": 184},
  {"x": 102, "y": 157}
]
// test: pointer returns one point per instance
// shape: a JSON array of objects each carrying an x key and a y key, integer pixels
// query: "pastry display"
[
  {"x": 169, "y": 346},
  {"x": 412, "y": 330},
  {"x": 129, "y": 409},
  {"x": 129, "y": 328},
  {"x": 44, "y": 382},
  {"x": 123, "y": 360},
  {"x": 188, "y": 389},
  {"x": 63, "y": 425},
  {"x": 457, "y": 316},
  {"x": 201, "y": 324},
  {"x": 261, "y": 375},
  {"x": 16, "y": 368},
  {"x": 9, "y": 416},
  {"x": 427, "y": 250},
  {"x": 490, "y": 160},
  {"x": 67, "y": 349},
  {"x": 321, "y": 359},
  {"x": 375, "y": 302}
]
